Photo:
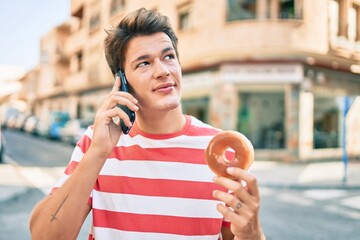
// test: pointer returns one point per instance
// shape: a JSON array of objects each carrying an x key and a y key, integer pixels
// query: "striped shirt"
[{"x": 154, "y": 186}]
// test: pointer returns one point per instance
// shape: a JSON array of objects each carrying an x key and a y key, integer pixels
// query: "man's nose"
[{"x": 160, "y": 70}]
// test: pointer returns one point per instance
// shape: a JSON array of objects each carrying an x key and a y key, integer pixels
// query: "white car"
[{"x": 74, "y": 130}]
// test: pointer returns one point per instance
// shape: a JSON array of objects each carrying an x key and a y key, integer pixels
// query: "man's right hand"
[{"x": 106, "y": 132}]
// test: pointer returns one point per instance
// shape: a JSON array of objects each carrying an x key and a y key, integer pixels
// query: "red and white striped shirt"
[{"x": 154, "y": 186}]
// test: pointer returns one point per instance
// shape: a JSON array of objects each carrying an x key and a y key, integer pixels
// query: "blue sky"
[{"x": 22, "y": 24}]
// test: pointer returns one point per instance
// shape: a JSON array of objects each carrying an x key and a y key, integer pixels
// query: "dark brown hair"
[{"x": 140, "y": 22}]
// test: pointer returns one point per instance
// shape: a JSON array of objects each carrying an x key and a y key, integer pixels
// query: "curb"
[{"x": 309, "y": 186}]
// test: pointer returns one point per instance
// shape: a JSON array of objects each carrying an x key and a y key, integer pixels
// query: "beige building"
[{"x": 277, "y": 70}]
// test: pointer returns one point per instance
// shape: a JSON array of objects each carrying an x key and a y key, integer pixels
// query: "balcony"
[
  {"x": 76, "y": 82},
  {"x": 76, "y": 41},
  {"x": 250, "y": 39},
  {"x": 76, "y": 6}
]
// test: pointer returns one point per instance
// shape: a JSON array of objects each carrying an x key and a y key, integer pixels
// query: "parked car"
[
  {"x": 74, "y": 130},
  {"x": 2, "y": 145},
  {"x": 30, "y": 124},
  {"x": 42, "y": 127},
  {"x": 50, "y": 125},
  {"x": 11, "y": 121},
  {"x": 20, "y": 121},
  {"x": 57, "y": 121}
]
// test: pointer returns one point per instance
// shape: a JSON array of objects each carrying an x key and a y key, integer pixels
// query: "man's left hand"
[{"x": 242, "y": 203}]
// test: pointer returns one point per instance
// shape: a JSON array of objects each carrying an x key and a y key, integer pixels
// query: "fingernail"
[
  {"x": 230, "y": 169},
  {"x": 213, "y": 193}
]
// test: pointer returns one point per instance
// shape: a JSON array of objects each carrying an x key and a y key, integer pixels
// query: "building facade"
[{"x": 286, "y": 73}]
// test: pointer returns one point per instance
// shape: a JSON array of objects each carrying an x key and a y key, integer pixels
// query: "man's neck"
[{"x": 162, "y": 123}]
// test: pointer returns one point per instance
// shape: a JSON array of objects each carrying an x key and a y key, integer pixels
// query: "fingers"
[
  {"x": 242, "y": 205},
  {"x": 109, "y": 110},
  {"x": 117, "y": 84},
  {"x": 251, "y": 181},
  {"x": 230, "y": 200},
  {"x": 116, "y": 97},
  {"x": 248, "y": 195},
  {"x": 110, "y": 115}
]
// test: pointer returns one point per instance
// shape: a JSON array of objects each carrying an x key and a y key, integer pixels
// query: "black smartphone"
[{"x": 124, "y": 87}]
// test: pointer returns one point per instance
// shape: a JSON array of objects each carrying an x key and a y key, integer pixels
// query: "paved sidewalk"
[{"x": 307, "y": 175}]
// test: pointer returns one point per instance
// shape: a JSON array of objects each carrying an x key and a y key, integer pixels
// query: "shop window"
[
  {"x": 241, "y": 9},
  {"x": 261, "y": 118},
  {"x": 197, "y": 108},
  {"x": 327, "y": 118}
]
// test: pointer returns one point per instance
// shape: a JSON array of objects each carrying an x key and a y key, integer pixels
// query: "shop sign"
[
  {"x": 196, "y": 81},
  {"x": 262, "y": 73}
]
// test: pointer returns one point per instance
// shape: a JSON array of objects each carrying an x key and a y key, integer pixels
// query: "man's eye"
[
  {"x": 142, "y": 64},
  {"x": 170, "y": 56}
]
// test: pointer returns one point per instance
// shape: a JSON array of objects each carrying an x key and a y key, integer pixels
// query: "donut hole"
[{"x": 229, "y": 155}]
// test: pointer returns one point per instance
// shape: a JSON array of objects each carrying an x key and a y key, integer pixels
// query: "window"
[
  {"x": 184, "y": 20},
  {"x": 44, "y": 57},
  {"x": 352, "y": 24},
  {"x": 116, "y": 5},
  {"x": 94, "y": 14},
  {"x": 284, "y": 9},
  {"x": 287, "y": 9},
  {"x": 79, "y": 61},
  {"x": 327, "y": 116},
  {"x": 196, "y": 107},
  {"x": 184, "y": 17},
  {"x": 334, "y": 18},
  {"x": 344, "y": 24},
  {"x": 357, "y": 22},
  {"x": 261, "y": 118},
  {"x": 241, "y": 9}
]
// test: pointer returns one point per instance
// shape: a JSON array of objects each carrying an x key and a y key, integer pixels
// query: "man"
[{"x": 152, "y": 183}]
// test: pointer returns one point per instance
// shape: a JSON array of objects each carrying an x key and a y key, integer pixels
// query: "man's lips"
[{"x": 163, "y": 86}]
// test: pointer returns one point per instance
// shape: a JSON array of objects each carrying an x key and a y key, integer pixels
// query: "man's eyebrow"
[
  {"x": 146, "y": 56},
  {"x": 167, "y": 50},
  {"x": 142, "y": 57}
]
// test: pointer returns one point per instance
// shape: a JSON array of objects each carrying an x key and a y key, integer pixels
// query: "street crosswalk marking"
[
  {"x": 324, "y": 194},
  {"x": 290, "y": 198},
  {"x": 343, "y": 212},
  {"x": 352, "y": 202},
  {"x": 43, "y": 178},
  {"x": 39, "y": 178}
]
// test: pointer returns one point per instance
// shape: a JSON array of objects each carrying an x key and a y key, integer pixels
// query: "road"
[{"x": 36, "y": 164}]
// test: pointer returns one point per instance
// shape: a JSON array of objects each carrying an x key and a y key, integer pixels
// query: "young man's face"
[{"x": 153, "y": 71}]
